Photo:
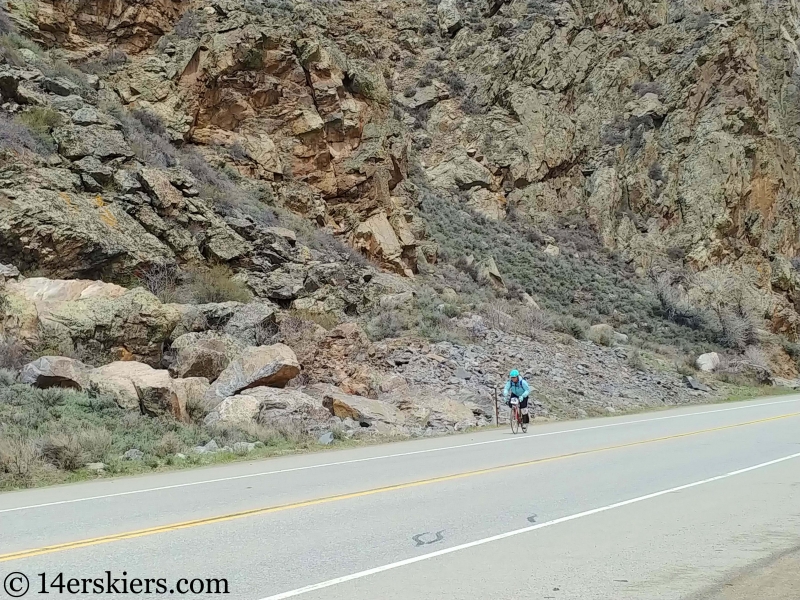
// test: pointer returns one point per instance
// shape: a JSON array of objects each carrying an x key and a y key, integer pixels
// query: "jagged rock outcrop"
[{"x": 75, "y": 25}]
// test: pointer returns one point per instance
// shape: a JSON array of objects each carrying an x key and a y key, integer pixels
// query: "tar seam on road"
[
  {"x": 328, "y": 499},
  {"x": 387, "y": 456},
  {"x": 516, "y": 532}
]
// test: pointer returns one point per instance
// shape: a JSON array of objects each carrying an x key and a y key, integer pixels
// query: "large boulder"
[
  {"x": 196, "y": 318},
  {"x": 56, "y": 371},
  {"x": 256, "y": 366},
  {"x": 135, "y": 385},
  {"x": 272, "y": 407},
  {"x": 436, "y": 411},
  {"x": 129, "y": 323},
  {"x": 449, "y": 17},
  {"x": 204, "y": 354},
  {"x": 708, "y": 362},
  {"x": 367, "y": 411},
  {"x": 252, "y": 323},
  {"x": 189, "y": 391},
  {"x": 235, "y": 410},
  {"x": 279, "y": 406}
]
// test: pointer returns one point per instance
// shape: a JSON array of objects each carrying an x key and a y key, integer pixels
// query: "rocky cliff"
[
  {"x": 671, "y": 126},
  {"x": 551, "y": 153}
]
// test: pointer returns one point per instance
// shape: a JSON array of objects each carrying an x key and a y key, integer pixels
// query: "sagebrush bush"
[
  {"x": 161, "y": 280},
  {"x": 110, "y": 62},
  {"x": 41, "y": 121},
  {"x": 63, "y": 450},
  {"x": 47, "y": 434},
  {"x": 19, "y": 457},
  {"x": 572, "y": 326},
  {"x": 326, "y": 320},
  {"x": 386, "y": 324},
  {"x": 18, "y": 138},
  {"x": 217, "y": 284}
]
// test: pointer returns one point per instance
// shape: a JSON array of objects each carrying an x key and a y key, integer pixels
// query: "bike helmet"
[{"x": 514, "y": 373}]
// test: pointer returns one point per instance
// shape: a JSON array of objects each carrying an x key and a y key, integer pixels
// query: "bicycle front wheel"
[{"x": 514, "y": 419}]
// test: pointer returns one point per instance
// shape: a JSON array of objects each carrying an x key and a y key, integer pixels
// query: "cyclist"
[{"x": 517, "y": 387}]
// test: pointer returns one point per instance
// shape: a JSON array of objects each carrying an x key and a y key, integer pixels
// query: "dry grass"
[{"x": 217, "y": 284}]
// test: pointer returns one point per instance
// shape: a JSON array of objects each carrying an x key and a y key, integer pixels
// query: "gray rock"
[
  {"x": 60, "y": 86},
  {"x": 96, "y": 466},
  {"x": 462, "y": 373},
  {"x": 56, "y": 371},
  {"x": 75, "y": 142},
  {"x": 8, "y": 271},
  {"x": 92, "y": 167},
  {"x": 204, "y": 354},
  {"x": 87, "y": 116},
  {"x": 272, "y": 366},
  {"x": 211, "y": 446},
  {"x": 252, "y": 323},
  {"x": 181, "y": 456},
  {"x": 449, "y": 17},
  {"x": 127, "y": 181},
  {"x": 67, "y": 103},
  {"x": 696, "y": 385},
  {"x": 133, "y": 454},
  {"x": 708, "y": 362},
  {"x": 326, "y": 438},
  {"x": 243, "y": 447},
  {"x": 89, "y": 183}
]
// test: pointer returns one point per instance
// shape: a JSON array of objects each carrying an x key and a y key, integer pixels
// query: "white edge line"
[
  {"x": 516, "y": 532},
  {"x": 385, "y": 456}
]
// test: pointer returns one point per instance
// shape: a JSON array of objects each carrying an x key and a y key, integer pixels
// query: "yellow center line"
[{"x": 328, "y": 499}]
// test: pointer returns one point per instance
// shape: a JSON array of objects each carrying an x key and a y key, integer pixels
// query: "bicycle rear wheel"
[{"x": 514, "y": 419}]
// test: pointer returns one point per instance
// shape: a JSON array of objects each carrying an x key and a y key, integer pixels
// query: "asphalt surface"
[{"x": 689, "y": 503}]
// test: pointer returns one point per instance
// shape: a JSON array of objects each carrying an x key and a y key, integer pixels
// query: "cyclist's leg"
[{"x": 523, "y": 406}]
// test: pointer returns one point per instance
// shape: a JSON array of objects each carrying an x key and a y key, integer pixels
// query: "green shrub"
[
  {"x": 169, "y": 443},
  {"x": 635, "y": 360},
  {"x": 217, "y": 284},
  {"x": 386, "y": 324},
  {"x": 585, "y": 282},
  {"x": 41, "y": 120},
  {"x": 326, "y": 320},
  {"x": 603, "y": 335},
  {"x": 572, "y": 326},
  {"x": 64, "y": 451},
  {"x": 19, "y": 456}
]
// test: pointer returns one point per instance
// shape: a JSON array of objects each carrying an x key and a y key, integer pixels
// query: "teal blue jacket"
[{"x": 521, "y": 389}]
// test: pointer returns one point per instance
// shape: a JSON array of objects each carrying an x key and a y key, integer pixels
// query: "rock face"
[
  {"x": 130, "y": 323},
  {"x": 56, "y": 371},
  {"x": 204, "y": 354},
  {"x": 272, "y": 86},
  {"x": 133, "y": 25},
  {"x": 260, "y": 366},
  {"x": 136, "y": 385}
]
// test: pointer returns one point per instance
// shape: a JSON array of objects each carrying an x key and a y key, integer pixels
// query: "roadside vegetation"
[{"x": 54, "y": 435}]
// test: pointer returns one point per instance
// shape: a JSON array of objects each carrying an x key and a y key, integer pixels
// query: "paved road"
[{"x": 682, "y": 504}]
